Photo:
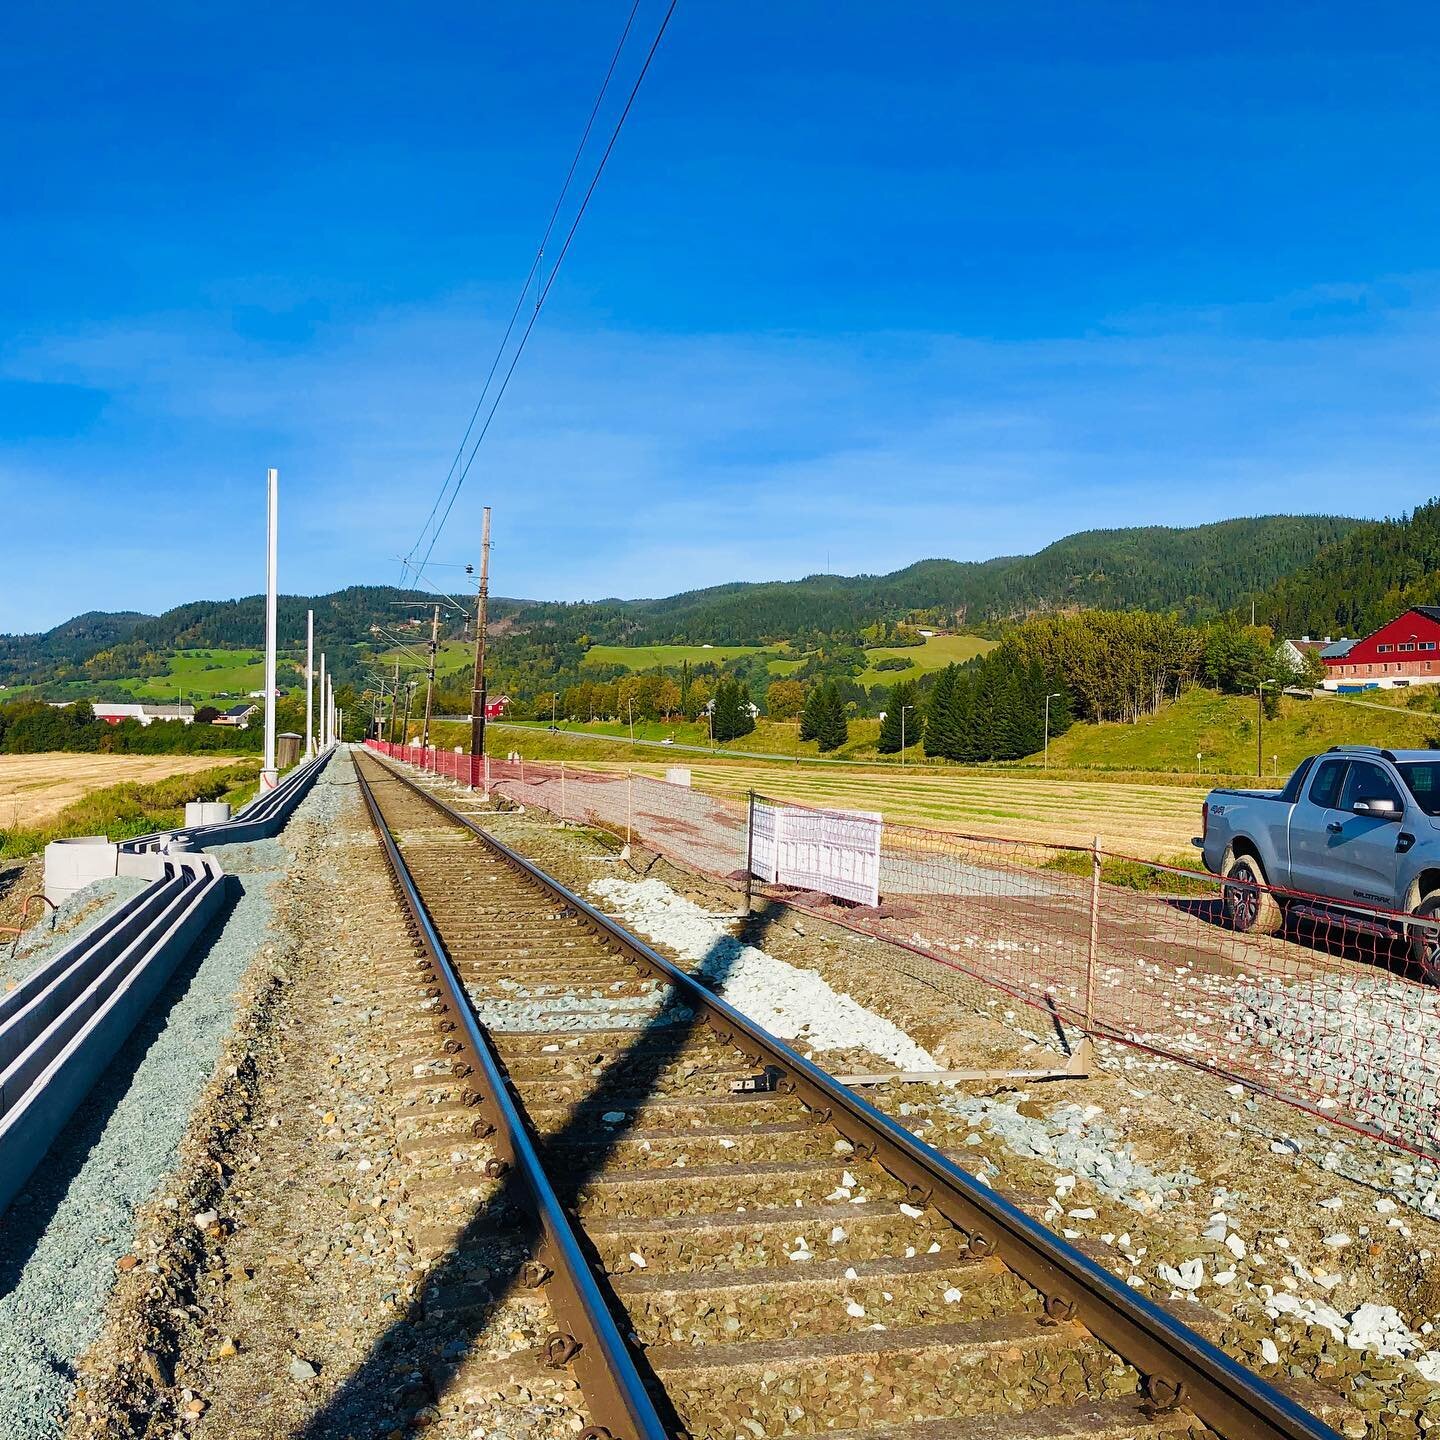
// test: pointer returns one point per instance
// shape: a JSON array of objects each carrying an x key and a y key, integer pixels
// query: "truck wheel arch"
[{"x": 1425, "y": 884}]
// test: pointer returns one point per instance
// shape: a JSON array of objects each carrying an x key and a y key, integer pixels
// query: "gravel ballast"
[{"x": 62, "y": 1237}]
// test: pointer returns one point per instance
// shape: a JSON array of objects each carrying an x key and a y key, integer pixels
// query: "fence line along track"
[{"x": 776, "y": 1260}]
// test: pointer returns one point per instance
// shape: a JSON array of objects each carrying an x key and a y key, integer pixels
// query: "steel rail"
[
  {"x": 587, "y": 1334},
  {"x": 1181, "y": 1369}
]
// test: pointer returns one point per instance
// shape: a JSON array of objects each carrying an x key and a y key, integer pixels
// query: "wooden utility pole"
[
  {"x": 430, "y": 674},
  {"x": 405, "y": 722},
  {"x": 477, "y": 688}
]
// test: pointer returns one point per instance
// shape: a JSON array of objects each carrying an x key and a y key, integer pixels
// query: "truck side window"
[
  {"x": 1325, "y": 788},
  {"x": 1368, "y": 782}
]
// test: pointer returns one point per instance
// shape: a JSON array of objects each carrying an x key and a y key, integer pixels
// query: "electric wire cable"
[
  {"x": 555, "y": 271},
  {"x": 535, "y": 265}
]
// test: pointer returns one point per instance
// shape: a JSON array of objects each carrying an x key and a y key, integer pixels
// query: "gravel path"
[{"x": 62, "y": 1238}]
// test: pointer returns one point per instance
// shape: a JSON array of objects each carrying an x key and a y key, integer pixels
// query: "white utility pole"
[
  {"x": 268, "y": 774},
  {"x": 309, "y": 684},
  {"x": 320, "y": 702}
]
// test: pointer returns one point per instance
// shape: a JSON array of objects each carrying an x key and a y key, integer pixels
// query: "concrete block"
[{"x": 71, "y": 865}]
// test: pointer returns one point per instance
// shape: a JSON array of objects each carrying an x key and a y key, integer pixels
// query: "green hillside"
[
  {"x": 1199, "y": 571},
  {"x": 935, "y": 654},
  {"x": 648, "y": 657},
  {"x": 1221, "y": 729}
]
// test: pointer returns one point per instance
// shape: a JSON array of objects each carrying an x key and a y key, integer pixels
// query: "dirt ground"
[{"x": 35, "y": 788}]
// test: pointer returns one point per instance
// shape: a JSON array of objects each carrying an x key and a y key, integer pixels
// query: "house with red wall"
[{"x": 1403, "y": 651}]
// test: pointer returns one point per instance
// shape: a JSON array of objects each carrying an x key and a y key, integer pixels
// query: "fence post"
[
  {"x": 749, "y": 853},
  {"x": 1094, "y": 936},
  {"x": 562, "y": 792},
  {"x": 629, "y": 811},
  {"x": 485, "y": 794}
]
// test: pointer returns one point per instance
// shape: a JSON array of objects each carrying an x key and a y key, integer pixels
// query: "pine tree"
[
  {"x": 903, "y": 702},
  {"x": 732, "y": 718},
  {"x": 834, "y": 731},
  {"x": 810, "y": 715},
  {"x": 940, "y": 736},
  {"x": 746, "y": 716}
]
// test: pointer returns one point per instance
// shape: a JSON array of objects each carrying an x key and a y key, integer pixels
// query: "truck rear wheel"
[
  {"x": 1249, "y": 907},
  {"x": 1424, "y": 944}
]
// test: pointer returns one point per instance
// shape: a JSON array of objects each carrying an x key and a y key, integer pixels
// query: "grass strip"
[{"x": 131, "y": 808}]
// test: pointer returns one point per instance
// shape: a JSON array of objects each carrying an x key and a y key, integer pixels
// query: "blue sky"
[{"x": 862, "y": 284}]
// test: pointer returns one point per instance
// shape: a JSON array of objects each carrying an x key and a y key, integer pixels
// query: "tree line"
[{"x": 31, "y": 727}]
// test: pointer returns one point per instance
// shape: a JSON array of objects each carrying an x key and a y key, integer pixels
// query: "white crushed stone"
[
  {"x": 1080, "y": 1140},
  {"x": 1343, "y": 1032},
  {"x": 789, "y": 1002}
]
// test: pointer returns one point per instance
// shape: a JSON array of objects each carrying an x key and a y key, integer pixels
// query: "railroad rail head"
[{"x": 1181, "y": 1370}]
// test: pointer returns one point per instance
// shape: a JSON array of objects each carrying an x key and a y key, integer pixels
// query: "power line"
[
  {"x": 535, "y": 265},
  {"x": 544, "y": 291}
]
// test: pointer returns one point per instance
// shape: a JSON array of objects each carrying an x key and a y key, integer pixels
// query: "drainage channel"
[
  {"x": 732, "y": 1242},
  {"x": 63, "y": 1024}
]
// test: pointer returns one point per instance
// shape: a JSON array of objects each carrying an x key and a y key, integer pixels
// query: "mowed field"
[
  {"x": 1149, "y": 822},
  {"x": 35, "y": 788},
  {"x": 201, "y": 674},
  {"x": 935, "y": 654},
  {"x": 647, "y": 657}
]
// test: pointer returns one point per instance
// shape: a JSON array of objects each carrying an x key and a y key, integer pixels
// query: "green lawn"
[
  {"x": 451, "y": 657},
  {"x": 202, "y": 675},
  {"x": 935, "y": 654},
  {"x": 647, "y": 657},
  {"x": 1221, "y": 729}
]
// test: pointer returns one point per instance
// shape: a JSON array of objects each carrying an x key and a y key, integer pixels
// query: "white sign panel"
[
  {"x": 833, "y": 851},
  {"x": 764, "y": 821}
]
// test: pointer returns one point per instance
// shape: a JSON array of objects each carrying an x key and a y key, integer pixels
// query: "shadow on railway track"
[
  {"x": 25, "y": 1222},
  {"x": 365, "y": 1405}
]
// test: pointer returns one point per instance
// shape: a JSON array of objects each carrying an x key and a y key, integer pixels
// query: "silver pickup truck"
[{"x": 1356, "y": 826}]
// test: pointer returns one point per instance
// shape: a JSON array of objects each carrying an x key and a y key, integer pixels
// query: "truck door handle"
[
  {"x": 1403, "y": 841},
  {"x": 1333, "y": 827}
]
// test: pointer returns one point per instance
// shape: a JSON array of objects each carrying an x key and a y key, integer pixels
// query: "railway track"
[{"x": 732, "y": 1244}]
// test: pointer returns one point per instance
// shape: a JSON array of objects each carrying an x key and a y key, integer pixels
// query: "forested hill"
[
  {"x": 1370, "y": 575},
  {"x": 1201, "y": 571},
  {"x": 75, "y": 640}
]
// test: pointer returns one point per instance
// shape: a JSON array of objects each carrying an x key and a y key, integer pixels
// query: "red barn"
[{"x": 1404, "y": 651}]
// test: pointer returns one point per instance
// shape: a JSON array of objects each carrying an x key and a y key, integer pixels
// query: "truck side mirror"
[{"x": 1377, "y": 809}]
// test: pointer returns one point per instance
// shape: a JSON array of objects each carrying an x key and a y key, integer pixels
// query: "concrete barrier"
[{"x": 63, "y": 1024}]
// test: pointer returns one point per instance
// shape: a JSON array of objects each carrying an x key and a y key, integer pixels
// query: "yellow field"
[
  {"x": 1150, "y": 822},
  {"x": 35, "y": 788}
]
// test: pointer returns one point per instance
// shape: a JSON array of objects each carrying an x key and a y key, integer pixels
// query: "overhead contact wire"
[
  {"x": 535, "y": 265},
  {"x": 564, "y": 249}
]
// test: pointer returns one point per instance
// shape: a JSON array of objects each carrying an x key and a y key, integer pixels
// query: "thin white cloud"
[{"x": 637, "y": 463}]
